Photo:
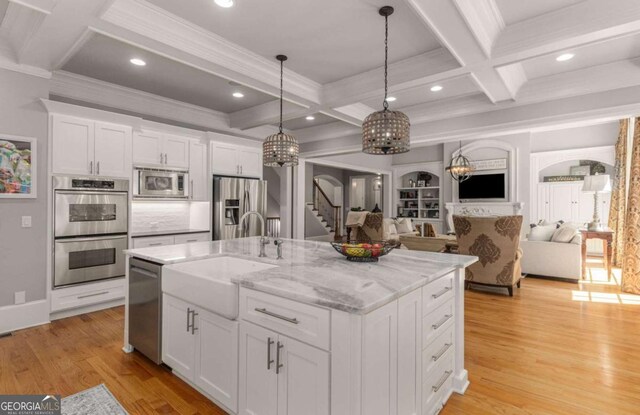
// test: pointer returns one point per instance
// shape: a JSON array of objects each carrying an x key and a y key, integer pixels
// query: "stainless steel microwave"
[{"x": 160, "y": 183}]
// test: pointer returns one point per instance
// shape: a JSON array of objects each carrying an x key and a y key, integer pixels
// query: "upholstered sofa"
[
  {"x": 495, "y": 241},
  {"x": 553, "y": 259},
  {"x": 376, "y": 228},
  {"x": 430, "y": 242}
]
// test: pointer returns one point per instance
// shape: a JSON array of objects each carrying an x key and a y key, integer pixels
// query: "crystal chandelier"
[
  {"x": 460, "y": 167},
  {"x": 386, "y": 131},
  {"x": 280, "y": 149}
]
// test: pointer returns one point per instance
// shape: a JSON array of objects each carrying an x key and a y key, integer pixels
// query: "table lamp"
[{"x": 596, "y": 184}]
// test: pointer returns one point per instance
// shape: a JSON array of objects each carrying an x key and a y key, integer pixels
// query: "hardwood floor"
[{"x": 553, "y": 348}]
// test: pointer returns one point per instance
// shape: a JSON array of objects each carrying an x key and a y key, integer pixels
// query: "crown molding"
[
  {"x": 148, "y": 20},
  {"x": 86, "y": 89}
]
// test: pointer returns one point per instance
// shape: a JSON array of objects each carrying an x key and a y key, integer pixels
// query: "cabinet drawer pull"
[
  {"x": 193, "y": 322},
  {"x": 443, "y": 379},
  {"x": 442, "y": 351},
  {"x": 441, "y": 293},
  {"x": 441, "y": 322},
  {"x": 269, "y": 359},
  {"x": 80, "y": 297},
  {"x": 165, "y": 158},
  {"x": 269, "y": 313},
  {"x": 192, "y": 240},
  {"x": 278, "y": 364},
  {"x": 91, "y": 167},
  {"x": 98, "y": 168},
  {"x": 188, "y": 319},
  {"x": 156, "y": 244}
]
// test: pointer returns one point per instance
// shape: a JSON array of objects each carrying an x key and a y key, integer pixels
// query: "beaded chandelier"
[
  {"x": 280, "y": 149},
  {"x": 386, "y": 132}
]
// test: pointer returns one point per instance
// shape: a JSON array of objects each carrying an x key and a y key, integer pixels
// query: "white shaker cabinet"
[
  {"x": 280, "y": 375},
  {"x": 178, "y": 342},
  {"x": 203, "y": 348},
  {"x": 112, "y": 150},
  {"x": 231, "y": 160},
  {"x": 86, "y": 147},
  {"x": 162, "y": 150},
  {"x": 198, "y": 171}
]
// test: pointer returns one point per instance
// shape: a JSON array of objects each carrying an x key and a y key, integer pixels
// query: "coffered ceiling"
[{"x": 494, "y": 62}]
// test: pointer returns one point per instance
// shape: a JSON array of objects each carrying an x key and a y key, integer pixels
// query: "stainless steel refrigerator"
[{"x": 232, "y": 198}]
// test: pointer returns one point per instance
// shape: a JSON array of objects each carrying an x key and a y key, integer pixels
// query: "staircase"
[{"x": 323, "y": 216}]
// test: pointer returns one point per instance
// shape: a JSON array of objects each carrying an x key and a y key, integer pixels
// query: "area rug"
[{"x": 94, "y": 401}]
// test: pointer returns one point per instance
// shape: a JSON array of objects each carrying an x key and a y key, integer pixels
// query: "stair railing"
[{"x": 325, "y": 208}]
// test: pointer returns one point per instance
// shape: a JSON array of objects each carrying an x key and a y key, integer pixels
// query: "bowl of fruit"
[{"x": 363, "y": 252}]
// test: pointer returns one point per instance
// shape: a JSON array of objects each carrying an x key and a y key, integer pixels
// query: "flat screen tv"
[{"x": 484, "y": 187}]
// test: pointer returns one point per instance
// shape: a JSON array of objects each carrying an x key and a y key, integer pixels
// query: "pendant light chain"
[
  {"x": 385, "y": 104},
  {"x": 281, "y": 87}
]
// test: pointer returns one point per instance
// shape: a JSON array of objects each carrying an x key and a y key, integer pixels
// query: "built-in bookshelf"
[{"x": 420, "y": 203}]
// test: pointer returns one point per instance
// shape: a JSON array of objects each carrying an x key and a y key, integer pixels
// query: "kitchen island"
[{"x": 311, "y": 333}]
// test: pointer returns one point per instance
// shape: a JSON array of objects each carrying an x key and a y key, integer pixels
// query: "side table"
[{"x": 606, "y": 236}]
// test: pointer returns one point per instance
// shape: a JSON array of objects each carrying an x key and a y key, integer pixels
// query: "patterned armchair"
[
  {"x": 496, "y": 242},
  {"x": 370, "y": 231}
]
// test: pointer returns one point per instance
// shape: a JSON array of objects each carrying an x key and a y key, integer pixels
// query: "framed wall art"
[{"x": 18, "y": 172}]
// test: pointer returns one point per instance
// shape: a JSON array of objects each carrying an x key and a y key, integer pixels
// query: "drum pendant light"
[
  {"x": 386, "y": 132},
  {"x": 280, "y": 149}
]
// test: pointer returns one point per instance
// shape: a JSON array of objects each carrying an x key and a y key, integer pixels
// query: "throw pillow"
[
  {"x": 392, "y": 229},
  {"x": 542, "y": 233},
  {"x": 564, "y": 234},
  {"x": 404, "y": 226}
]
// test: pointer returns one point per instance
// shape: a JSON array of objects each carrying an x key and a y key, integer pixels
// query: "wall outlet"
[
  {"x": 26, "y": 221},
  {"x": 19, "y": 297}
]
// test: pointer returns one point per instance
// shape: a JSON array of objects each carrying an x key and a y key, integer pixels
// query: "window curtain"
[
  {"x": 631, "y": 255},
  {"x": 618, "y": 206}
]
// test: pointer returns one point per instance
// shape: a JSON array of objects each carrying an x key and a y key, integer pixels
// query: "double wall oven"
[{"x": 90, "y": 229}]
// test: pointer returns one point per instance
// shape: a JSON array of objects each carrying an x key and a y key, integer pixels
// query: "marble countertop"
[
  {"x": 162, "y": 233},
  {"x": 313, "y": 273}
]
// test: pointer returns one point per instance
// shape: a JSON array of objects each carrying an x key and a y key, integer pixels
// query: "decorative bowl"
[{"x": 363, "y": 252}]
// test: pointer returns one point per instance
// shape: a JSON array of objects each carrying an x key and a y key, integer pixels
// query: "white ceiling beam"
[
  {"x": 354, "y": 113},
  {"x": 19, "y": 26},
  {"x": 569, "y": 27},
  {"x": 267, "y": 113},
  {"x": 426, "y": 68},
  {"x": 224, "y": 58},
  {"x": 326, "y": 131},
  {"x": 450, "y": 22}
]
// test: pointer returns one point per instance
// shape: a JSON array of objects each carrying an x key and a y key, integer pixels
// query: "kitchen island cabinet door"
[
  {"x": 303, "y": 381},
  {"x": 217, "y": 357},
  {"x": 178, "y": 339},
  {"x": 258, "y": 379}
]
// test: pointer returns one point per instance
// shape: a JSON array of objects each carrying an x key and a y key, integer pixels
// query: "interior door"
[
  {"x": 303, "y": 381},
  {"x": 258, "y": 393},
  {"x": 113, "y": 150},
  {"x": 73, "y": 145},
  {"x": 357, "y": 192},
  {"x": 178, "y": 342},
  {"x": 217, "y": 354}
]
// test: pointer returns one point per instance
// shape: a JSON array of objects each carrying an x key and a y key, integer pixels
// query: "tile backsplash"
[{"x": 161, "y": 216}]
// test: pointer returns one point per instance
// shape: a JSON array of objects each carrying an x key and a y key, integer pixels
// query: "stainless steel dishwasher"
[{"x": 145, "y": 308}]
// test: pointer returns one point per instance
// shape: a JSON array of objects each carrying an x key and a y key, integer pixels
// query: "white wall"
[
  {"x": 570, "y": 138},
  {"x": 420, "y": 155},
  {"x": 23, "y": 251}
]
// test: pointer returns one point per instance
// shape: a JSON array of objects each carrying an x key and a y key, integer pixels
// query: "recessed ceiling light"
[
  {"x": 138, "y": 62},
  {"x": 238, "y": 95},
  {"x": 310, "y": 118},
  {"x": 225, "y": 3},
  {"x": 565, "y": 57},
  {"x": 391, "y": 99},
  {"x": 436, "y": 88}
]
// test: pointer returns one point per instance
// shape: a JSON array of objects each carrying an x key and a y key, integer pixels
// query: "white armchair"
[{"x": 552, "y": 259}]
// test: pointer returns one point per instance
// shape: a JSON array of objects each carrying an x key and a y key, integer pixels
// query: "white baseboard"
[
  {"x": 21, "y": 316},
  {"x": 86, "y": 309}
]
